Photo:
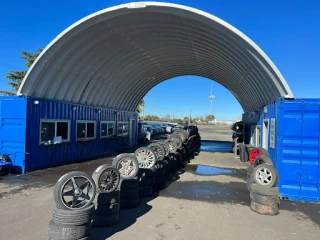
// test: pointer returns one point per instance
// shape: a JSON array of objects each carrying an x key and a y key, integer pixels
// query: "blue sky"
[{"x": 287, "y": 30}]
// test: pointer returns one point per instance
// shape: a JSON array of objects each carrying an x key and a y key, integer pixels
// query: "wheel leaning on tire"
[
  {"x": 158, "y": 150},
  {"x": 262, "y": 160},
  {"x": 106, "y": 178},
  {"x": 265, "y": 175},
  {"x": 146, "y": 157},
  {"x": 74, "y": 190},
  {"x": 165, "y": 145},
  {"x": 172, "y": 145},
  {"x": 127, "y": 164}
]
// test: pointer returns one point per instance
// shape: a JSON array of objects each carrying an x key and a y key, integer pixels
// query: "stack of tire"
[
  {"x": 73, "y": 194},
  {"x": 107, "y": 200},
  {"x": 128, "y": 167},
  {"x": 262, "y": 178},
  {"x": 238, "y": 131},
  {"x": 160, "y": 166},
  {"x": 146, "y": 175}
]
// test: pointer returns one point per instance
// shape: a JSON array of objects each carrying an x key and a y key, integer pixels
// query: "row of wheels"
[{"x": 96, "y": 200}]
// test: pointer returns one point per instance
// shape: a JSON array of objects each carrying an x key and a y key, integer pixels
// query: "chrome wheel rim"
[
  {"x": 263, "y": 176},
  {"x": 126, "y": 167},
  {"x": 109, "y": 180},
  {"x": 76, "y": 192},
  {"x": 158, "y": 151},
  {"x": 146, "y": 158}
]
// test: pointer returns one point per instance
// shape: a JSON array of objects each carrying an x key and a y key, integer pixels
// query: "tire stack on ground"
[
  {"x": 107, "y": 200},
  {"x": 159, "y": 167},
  {"x": 73, "y": 194},
  {"x": 166, "y": 157},
  {"x": 146, "y": 176},
  {"x": 262, "y": 178},
  {"x": 146, "y": 182},
  {"x": 128, "y": 167}
]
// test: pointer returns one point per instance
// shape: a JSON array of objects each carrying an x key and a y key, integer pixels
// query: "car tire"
[
  {"x": 106, "y": 178},
  {"x": 60, "y": 231},
  {"x": 61, "y": 197},
  {"x": 158, "y": 150},
  {"x": 146, "y": 157},
  {"x": 129, "y": 161},
  {"x": 73, "y": 218},
  {"x": 129, "y": 203},
  {"x": 265, "y": 200},
  {"x": 105, "y": 221},
  {"x": 274, "y": 191},
  {"x": 107, "y": 198},
  {"x": 106, "y": 210},
  {"x": 265, "y": 175},
  {"x": 264, "y": 210}
]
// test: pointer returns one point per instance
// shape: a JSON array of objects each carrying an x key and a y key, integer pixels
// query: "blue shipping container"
[{"x": 293, "y": 144}]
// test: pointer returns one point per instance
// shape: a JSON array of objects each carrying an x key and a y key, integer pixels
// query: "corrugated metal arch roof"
[{"x": 113, "y": 57}]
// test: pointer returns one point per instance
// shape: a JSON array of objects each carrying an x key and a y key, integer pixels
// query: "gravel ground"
[{"x": 193, "y": 206}]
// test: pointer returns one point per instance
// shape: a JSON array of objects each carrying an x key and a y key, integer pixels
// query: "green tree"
[
  {"x": 141, "y": 106},
  {"x": 16, "y": 77},
  {"x": 210, "y": 117}
]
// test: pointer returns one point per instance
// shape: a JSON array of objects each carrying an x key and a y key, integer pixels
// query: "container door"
[{"x": 298, "y": 150}]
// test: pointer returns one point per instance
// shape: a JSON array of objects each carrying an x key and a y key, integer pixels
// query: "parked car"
[{"x": 142, "y": 132}]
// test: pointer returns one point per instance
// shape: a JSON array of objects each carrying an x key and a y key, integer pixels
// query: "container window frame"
[
  {"x": 86, "y": 127},
  {"x": 107, "y": 122},
  {"x": 123, "y": 134},
  {"x": 55, "y": 121}
]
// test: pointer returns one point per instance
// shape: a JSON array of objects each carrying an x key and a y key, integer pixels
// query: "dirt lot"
[{"x": 193, "y": 206}]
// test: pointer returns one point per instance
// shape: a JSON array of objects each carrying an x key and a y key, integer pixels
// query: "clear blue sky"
[{"x": 287, "y": 30}]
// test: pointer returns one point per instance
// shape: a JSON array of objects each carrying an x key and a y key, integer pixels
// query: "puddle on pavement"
[
  {"x": 207, "y": 170},
  {"x": 216, "y": 146}
]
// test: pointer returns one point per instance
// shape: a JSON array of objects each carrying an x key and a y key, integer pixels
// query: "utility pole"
[{"x": 211, "y": 97}]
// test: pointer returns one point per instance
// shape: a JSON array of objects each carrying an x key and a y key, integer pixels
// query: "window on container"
[
  {"x": 122, "y": 128},
  {"x": 107, "y": 129},
  {"x": 86, "y": 130},
  {"x": 49, "y": 129}
]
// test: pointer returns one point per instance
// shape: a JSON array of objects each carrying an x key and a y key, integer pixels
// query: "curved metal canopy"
[{"x": 113, "y": 57}]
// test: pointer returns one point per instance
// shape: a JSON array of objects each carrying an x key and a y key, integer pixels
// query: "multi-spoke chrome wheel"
[
  {"x": 74, "y": 190},
  {"x": 165, "y": 145},
  {"x": 127, "y": 165},
  {"x": 172, "y": 145},
  {"x": 158, "y": 150},
  {"x": 107, "y": 178},
  {"x": 146, "y": 157}
]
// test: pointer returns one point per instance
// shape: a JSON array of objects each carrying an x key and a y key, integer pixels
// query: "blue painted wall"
[
  {"x": 20, "y": 132},
  {"x": 296, "y": 154}
]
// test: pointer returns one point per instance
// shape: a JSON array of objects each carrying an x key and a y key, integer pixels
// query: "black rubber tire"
[
  {"x": 250, "y": 169},
  {"x": 107, "y": 198},
  {"x": 129, "y": 203},
  {"x": 264, "y": 210},
  {"x": 123, "y": 157},
  {"x": 73, "y": 218},
  {"x": 180, "y": 133},
  {"x": 85, "y": 238},
  {"x": 105, "y": 221},
  {"x": 146, "y": 181},
  {"x": 59, "y": 231},
  {"x": 145, "y": 172},
  {"x": 172, "y": 146},
  {"x": 159, "y": 180},
  {"x": 145, "y": 191},
  {"x": 262, "y": 160},
  {"x": 177, "y": 139},
  {"x": 274, "y": 191},
  {"x": 160, "y": 173},
  {"x": 129, "y": 184},
  {"x": 165, "y": 146},
  {"x": 159, "y": 166},
  {"x": 158, "y": 150},
  {"x": 272, "y": 170},
  {"x": 57, "y": 195},
  {"x": 129, "y": 193},
  {"x": 97, "y": 176},
  {"x": 106, "y": 210},
  {"x": 265, "y": 200}
]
